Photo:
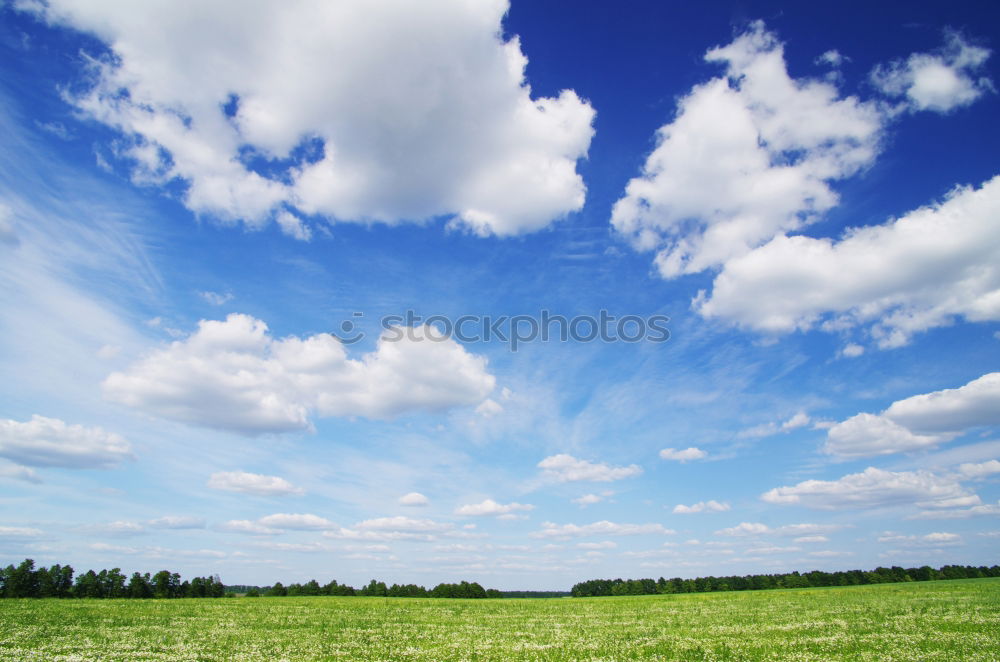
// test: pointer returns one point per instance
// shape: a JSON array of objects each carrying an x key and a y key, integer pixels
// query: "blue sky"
[{"x": 192, "y": 201}]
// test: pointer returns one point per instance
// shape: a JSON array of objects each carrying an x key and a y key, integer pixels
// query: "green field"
[{"x": 945, "y": 620}]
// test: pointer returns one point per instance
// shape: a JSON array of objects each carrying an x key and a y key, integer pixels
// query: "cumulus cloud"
[
  {"x": 772, "y": 549},
  {"x": 248, "y": 483},
  {"x": 874, "y": 488},
  {"x": 404, "y": 524},
  {"x": 745, "y": 529},
  {"x": 701, "y": 507},
  {"x": 920, "y": 421},
  {"x": 690, "y": 453},
  {"x": 296, "y": 521},
  {"x": 939, "y": 82},
  {"x": 767, "y": 429},
  {"x": 976, "y": 509},
  {"x": 832, "y": 58},
  {"x": 50, "y": 442},
  {"x": 384, "y": 111},
  {"x": 233, "y": 375},
  {"x": 811, "y": 539},
  {"x": 937, "y": 538},
  {"x": 760, "y": 529},
  {"x": 566, "y": 468},
  {"x": 414, "y": 499},
  {"x": 602, "y": 528},
  {"x": 748, "y": 156},
  {"x": 951, "y": 410},
  {"x": 588, "y": 500},
  {"x": 177, "y": 522},
  {"x": 866, "y": 434},
  {"x": 248, "y": 527},
  {"x": 974, "y": 470},
  {"x": 491, "y": 507},
  {"x": 918, "y": 272},
  {"x": 17, "y": 472},
  {"x": 20, "y": 532}
]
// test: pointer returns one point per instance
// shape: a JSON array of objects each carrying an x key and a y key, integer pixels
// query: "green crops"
[{"x": 947, "y": 621}]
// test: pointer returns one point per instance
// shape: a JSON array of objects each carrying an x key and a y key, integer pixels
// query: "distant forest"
[
  {"x": 58, "y": 581},
  {"x": 600, "y": 587},
  {"x": 26, "y": 581}
]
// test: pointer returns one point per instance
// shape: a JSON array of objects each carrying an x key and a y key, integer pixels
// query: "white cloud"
[
  {"x": 297, "y": 521},
  {"x": 832, "y": 58},
  {"x": 602, "y": 528},
  {"x": 974, "y": 470},
  {"x": 938, "y": 538},
  {"x": 19, "y": 532},
  {"x": 811, "y": 539},
  {"x": 383, "y": 111},
  {"x": 50, "y": 442},
  {"x": 767, "y": 429},
  {"x": 773, "y": 549},
  {"x": 17, "y": 472},
  {"x": 866, "y": 434},
  {"x": 701, "y": 507},
  {"x": 177, "y": 522},
  {"x": 215, "y": 298},
  {"x": 248, "y": 483},
  {"x": 941, "y": 537},
  {"x": 690, "y": 453},
  {"x": 852, "y": 350},
  {"x": 938, "y": 82},
  {"x": 117, "y": 549},
  {"x": 233, "y": 375},
  {"x": 491, "y": 507},
  {"x": 249, "y": 527},
  {"x": 604, "y": 544},
  {"x": 117, "y": 528},
  {"x": 749, "y": 155},
  {"x": 976, "y": 510},
  {"x": 760, "y": 529},
  {"x": 566, "y": 468},
  {"x": 908, "y": 275},
  {"x": 872, "y": 488},
  {"x": 746, "y": 529},
  {"x": 489, "y": 408},
  {"x": 956, "y": 409},
  {"x": 414, "y": 499},
  {"x": 920, "y": 421},
  {"x": 293, "y": 226},
  {"x": 404, "y": 524},
  {"x": 587, "y": 500}
]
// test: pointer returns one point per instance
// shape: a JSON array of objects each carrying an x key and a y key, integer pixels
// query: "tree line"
[
  {"x": 26, "y": 581},
  {"x": 880, "y": 575},
  {"x": 377, "y": 589}
]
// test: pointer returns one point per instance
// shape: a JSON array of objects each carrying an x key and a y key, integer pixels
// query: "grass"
[{"x": 946, "y": 620}]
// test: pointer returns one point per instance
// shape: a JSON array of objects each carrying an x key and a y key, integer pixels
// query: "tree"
[
  {"x": 165, "y": 584},
  {"x": 22, "y": 581},
  {"x": 139, "y": 586}
]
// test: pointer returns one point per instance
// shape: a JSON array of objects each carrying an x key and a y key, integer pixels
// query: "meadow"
[{"x": 945, "y": 620}]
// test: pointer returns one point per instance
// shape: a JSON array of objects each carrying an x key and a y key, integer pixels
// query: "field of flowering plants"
[{"x": 947, "y": 620}]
